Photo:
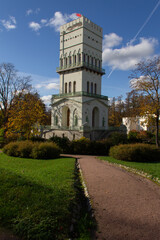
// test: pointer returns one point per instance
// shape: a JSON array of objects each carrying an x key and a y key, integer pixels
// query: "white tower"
[{"x": 80, "y": 109}]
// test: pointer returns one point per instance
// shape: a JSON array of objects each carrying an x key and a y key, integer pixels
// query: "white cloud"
[
  {"x": 52, "y": 86},
  {"x": 46, "y": 99},
  {"x": 56, "y": 21},
  {"x": 35, "y": 26},
  {"x": 127, "y": 57},
  {"x": 111, "y": 40},
  {"x": 29, "y": 11},
  {"x": 43, "y": 21},
  {"x": 9, "y": 24}
]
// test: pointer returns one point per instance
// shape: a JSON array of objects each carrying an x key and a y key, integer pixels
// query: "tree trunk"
[{"x": 157, "y": 128}]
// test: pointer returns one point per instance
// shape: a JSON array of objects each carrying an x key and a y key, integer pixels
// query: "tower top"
[{"x": 78, "y": 23}]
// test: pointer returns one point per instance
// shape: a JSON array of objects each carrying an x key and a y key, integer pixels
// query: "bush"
[
  {"x": 1, "y": 137},
  {"x": 135, "y": 152},
  {"x": 80, "y": 146},
  {"x": 63, "y": 143},
  {"x": 28, "y": 149},
  {"x": 37, "y": 139},
  {"x": 118, "y": 138},
  {"x": 25, "y": 149},
  {"x": 11, "y": 149},
  {"x": 46, "y": 150}
]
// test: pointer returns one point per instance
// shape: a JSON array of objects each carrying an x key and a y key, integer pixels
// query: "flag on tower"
[{"x": 78, "y": 15}]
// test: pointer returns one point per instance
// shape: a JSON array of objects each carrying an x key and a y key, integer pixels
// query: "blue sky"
[{"x": 29, "y": 38}]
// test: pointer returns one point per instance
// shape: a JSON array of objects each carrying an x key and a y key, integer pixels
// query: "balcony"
[
  {"x": 80, "y": 65},
  {"x": 77, "y": 94}
]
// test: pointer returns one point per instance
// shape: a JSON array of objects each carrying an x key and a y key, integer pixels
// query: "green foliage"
[
  {"x": 25, "y": 149},
  {"x": 36, "y": 197},
  {"x": 135, "y": 152},
  {"x": 46, "y": 150},
  {"x": 1, "y": 137},
  {"x": 118, "y": 138},
  {"x": 63, "y": 143},
  {"x": 37, "y": 139},
  {"x": 29, "y": 149},
  {"x": 11, "y": 149},
  {"x": 85, "y": 146},
  {"x": 140, "y": 137}
]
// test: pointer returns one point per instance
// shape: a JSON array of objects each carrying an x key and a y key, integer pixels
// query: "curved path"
[{"x": 126, "y": 205}]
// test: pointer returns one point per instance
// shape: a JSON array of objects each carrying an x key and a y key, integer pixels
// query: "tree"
[
  {"x": 146, "y": 79},
  {"x": 25, "y": 115},
  {"x": 10, "y": 85}
]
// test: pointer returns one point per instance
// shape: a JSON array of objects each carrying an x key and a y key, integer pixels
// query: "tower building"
[{"x": 79, "y": 109}]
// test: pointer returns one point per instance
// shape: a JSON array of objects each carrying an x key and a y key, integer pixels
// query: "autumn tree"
[
  {"x": 25, "y": 115},
  {"x": 10, "y": 84},
  {"x": 116, "y": 111},
  {"x": 146, "y": 79}
]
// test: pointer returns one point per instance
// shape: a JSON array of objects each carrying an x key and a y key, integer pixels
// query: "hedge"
[
  {"x": 135, "y": 152},
  {"x": 29, "y": 149}
]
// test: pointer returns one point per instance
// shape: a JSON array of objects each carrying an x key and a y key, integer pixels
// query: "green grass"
[
  {"x": 150, "y": 168},
  {"x": 36, "y": 196}
]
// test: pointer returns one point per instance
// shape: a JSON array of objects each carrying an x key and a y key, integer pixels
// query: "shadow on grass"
[{"x": 32, "y": 211}]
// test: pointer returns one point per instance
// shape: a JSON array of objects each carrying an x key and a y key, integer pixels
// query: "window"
[
  {"x": 61, "y": 62},
  {"x": 87, "y": 120},
  {"x": 91, "y": 87},
  {"x": 75, "y": 59},
  {"x": 84, "y": 57},
  {"x": 88, "y": 60},
  {"x": 74, "y": 86},
  {"x": 87, "y": 87},
  {"x": 96, "y": 62},
  {"x": 70, "y": 84},
  {"x": 66, "y": 61},
  {"x": 95, "y": 88},
  {"x": 65, "y": 87},
  {"x": 70, "y": 60},
  {"x": 75, "y": 120},
  {"x": 56, "y": 120},
  {"x": 79, "y": 57},
  {"x": 92, "y": 61},
  {"x": 103, "y": 122}
]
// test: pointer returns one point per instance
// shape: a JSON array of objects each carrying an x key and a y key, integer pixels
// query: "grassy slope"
[
  {"x": 150, "y": 168},
  {"x": 36, "y": 196}
]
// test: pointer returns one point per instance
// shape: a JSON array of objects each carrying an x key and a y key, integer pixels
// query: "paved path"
[{"x": 127, "y": 206}]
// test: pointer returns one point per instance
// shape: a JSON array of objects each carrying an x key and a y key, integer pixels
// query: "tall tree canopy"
[
  {"x": 146, "y": 79},
  {"x": 25, "y": 115},
  {"x": 10, "y": 85}
]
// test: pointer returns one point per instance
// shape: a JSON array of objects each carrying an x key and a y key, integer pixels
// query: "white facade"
[
  {"x": 135, "y": 123},
  {"x": 80, "y": 105}
]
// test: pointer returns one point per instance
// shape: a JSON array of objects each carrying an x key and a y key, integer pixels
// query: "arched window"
[
  {"x": 75, "y": 59},
  {"x": 56, "y": 121},
  {"x": 70, "y": 60},
  {"x": 66, "y": 62},
  {"x": 75, "y": 120},
  {"x": 95, "y": 88},
  {"x": 79, "y": 57},
  {"x": 87, "y": 87},
  {"x": 84, "y": 57},
  {"x": 91, "y": 87},
  {"x": 61, "y": 62},
  {"x": 92, "y": 61},
  {"x": 103, "y": 122},
  {"x": 65, "y": 87},
  {"x": 88, "y": 60},
  {"x": 87, "y": 120},
  {"x": 74, "y": 86},
  {"x": 96, "y": 62},
  {"x": 70, "y": 85}
]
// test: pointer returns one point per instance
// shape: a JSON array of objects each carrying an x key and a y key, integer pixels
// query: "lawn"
[
  {"x": 152, "y": 169},
  {"x": 37, "y": 196}
]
